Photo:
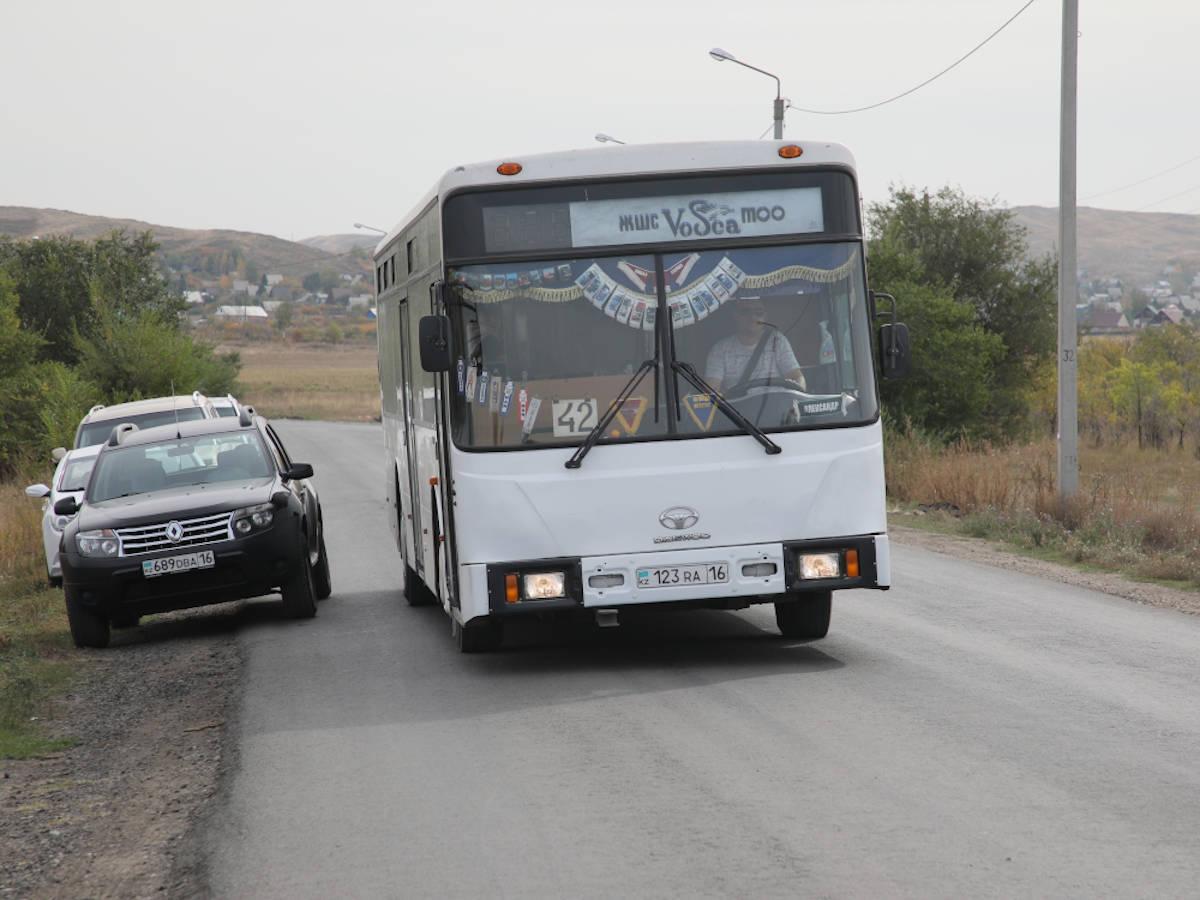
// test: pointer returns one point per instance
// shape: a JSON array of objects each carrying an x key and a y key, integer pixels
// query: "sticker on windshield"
[
  {"x": 483, "y": 387},
  {"x": 720, "y": 291},
  {"x": 494, "y": 390},
  {"x": 522, "y": 403},
  {"x": 462, "y": 375},
  {"x": 571, "y": 418},
  {"x": 678, "y": 272},
  {"x": 698, "y": 307},
  {"x": 530, "y": 417},
  {"x": 506, "y": 400},
  {"x": 470, "y": 386},
  {"x": 681, "y": 313},
  {"x": 618, "y": 296},
  {"x": 629, "y": 416},
  {"x": 701, "y": 409},
  {"x": 637, "y": 314},
  {"x": 651, "y": 317},
  {"x": 625, "y": 310},
  {"x": 731, "y": 268}
]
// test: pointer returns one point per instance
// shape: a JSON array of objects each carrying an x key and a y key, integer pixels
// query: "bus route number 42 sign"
[{"x": 574, "y": 417}]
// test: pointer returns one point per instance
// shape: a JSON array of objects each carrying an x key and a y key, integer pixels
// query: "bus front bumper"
[{"x": 723, "y": 577}]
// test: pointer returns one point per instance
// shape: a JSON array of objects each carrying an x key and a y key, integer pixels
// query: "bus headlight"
[
  {"x": 820, "y": 565},
  {"x": 103, "y": 542},
  {"x": 544, "y": 585}
]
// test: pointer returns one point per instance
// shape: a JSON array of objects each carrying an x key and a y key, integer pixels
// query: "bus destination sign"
[{"x": 645, "y": 220}]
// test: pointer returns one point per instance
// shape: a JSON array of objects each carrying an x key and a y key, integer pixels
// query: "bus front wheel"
[
  {"x": 478, "y": 637},
  {"x": 805, "y": 616}
]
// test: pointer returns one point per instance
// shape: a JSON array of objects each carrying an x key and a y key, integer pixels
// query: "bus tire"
[
  {"x": 89, "y": 628},
  {"x": 415, "y": 591},
  {"x": 479, "y": 637},
  {"x": 805, "y": 616}
]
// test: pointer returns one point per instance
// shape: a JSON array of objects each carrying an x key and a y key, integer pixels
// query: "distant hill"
[
  {"x": 340, "y": 243},
  {"x": 1133, "y": 245},
  {"x": 213, "y": 252}
]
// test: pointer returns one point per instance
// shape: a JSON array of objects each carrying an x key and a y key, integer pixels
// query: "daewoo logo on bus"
[{"x": 701, "y": 218}]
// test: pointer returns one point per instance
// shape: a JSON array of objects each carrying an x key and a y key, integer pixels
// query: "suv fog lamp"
[
  {"x": 58, "y": 523},
  {"x": 253, "y": 518},
  {"x": 820, "y": 565},
  {"x": 614, "y": 579},
  {"x": 545, "y": 585},
  {"x": 103, "y": 542}
]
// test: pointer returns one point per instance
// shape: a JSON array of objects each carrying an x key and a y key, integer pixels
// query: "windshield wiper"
[
  {"x": 600, "y": 427},
  {"x": 690, "y": 375}
]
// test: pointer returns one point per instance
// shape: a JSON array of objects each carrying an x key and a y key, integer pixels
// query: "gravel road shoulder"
[
  {"x": 989, "y": 554},
  {"x": 113, "y": 815}
]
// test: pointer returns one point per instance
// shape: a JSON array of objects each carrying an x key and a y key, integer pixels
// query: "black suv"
[{"x": 189, "y": 514}]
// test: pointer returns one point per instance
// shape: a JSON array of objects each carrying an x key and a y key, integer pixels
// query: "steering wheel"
[{"x": 778, "y": 384}]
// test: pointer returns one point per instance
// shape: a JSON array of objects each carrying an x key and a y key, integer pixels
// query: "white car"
[
  {"x": 99, "y": 422},
  {"x": 227, "y": 407},
  {"x": 70, "y": 480}
]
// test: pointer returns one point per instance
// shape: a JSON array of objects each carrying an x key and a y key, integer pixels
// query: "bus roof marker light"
[
  {"x": 790, "y": 151},
  {"x": 509, "y": 168}
]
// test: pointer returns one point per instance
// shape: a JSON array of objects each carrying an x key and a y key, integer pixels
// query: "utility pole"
[{"x": 1068, "y": 396}]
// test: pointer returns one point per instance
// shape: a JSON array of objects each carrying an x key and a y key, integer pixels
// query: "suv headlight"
[
  {"x": 253, "y": 518},
  {"x": 103, "y": 542}
]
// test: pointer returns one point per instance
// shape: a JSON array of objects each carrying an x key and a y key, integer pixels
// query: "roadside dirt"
[
  {"x": 990, "y": 554},
  {"x": 113, "y": 816}
]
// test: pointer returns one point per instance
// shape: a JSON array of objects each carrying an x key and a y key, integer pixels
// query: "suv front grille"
[{"x": 148, "y": 538}]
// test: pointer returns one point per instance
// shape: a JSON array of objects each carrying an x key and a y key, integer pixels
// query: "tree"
[
  {"x": 312, "y": 282},
  {"x": 283, "y": 316},
  {"x": 954, "y": 364},
  {"x": 262, "y": 286},
  {"x": 976, "y": 254}
]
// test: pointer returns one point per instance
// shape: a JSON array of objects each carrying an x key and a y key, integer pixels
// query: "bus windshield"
[{"x": 546, "y": 346}]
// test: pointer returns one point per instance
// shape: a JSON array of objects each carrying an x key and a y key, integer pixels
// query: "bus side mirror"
[
  {"x": 895, "y": 350},
  {"x": 433, "y": 337}
]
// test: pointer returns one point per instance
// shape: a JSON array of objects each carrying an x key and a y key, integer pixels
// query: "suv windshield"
[
  {"x": 545, "y": 346},
  {"x": 204, "y": 459},
  {"x": 92, "y": 433}
]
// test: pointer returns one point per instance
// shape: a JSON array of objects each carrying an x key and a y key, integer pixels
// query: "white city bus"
[{"x": 635, "y": 375}]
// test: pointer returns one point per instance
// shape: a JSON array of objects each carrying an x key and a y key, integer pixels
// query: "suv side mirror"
[
  {"x": 66, "y": 507},
  {"x": 433, "y": 337},
  {"x": 895, "y": 350},
  {"x": 298, "y": 472},
  {"x": 37, "y": 491},
  {"x": 58, "y": 453}
]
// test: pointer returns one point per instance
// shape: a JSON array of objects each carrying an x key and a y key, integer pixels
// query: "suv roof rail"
[
  {"x": 118, "y": 433},
  {"x": 246, "y": 416},
  {"x": 94, "y": 408},
  {"x": 198, "y": 398}
]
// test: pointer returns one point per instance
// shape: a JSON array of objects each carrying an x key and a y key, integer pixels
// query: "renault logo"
[
  {"x": 174, "y": 532},
  {"x": 678, "y": 518}
]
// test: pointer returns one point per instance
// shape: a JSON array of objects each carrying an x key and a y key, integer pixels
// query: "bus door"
[{"x": 410, "y": 491}]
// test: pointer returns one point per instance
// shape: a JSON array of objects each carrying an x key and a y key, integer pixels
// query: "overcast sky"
[{"x": 299, "y": 118}]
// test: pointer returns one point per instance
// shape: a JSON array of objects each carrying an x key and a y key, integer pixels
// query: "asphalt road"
[{"x": 974, "y": 732}]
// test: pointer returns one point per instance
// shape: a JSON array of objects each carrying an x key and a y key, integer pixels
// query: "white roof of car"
[
  {"x": 136, "y": 407},
  {"x": 633, "y": 160}
]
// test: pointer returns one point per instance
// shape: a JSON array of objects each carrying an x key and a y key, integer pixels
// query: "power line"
[
  {"x": 1143, "y": 180},
  {"x": 930, "y": 80},
  {"x": 1146, "y": 208}
]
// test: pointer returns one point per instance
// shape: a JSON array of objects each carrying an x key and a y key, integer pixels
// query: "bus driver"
[{"x": 756, "y": 351}]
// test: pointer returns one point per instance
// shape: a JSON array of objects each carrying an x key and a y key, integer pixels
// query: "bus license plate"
[
  {"x": 676, "y": 576},
  {"x": 169, "y": 565}
]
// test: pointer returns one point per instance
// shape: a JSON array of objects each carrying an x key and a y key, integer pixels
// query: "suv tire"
[
  {"x": 322, "y": 581},
  {"x": 805, "y": 616},
  {"x": 299, "y": 594},
  {"x": 89, "y": 628}
]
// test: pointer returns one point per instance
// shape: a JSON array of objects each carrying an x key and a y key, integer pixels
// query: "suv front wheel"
[
  {"x": 299, "y": 594},
  {"x": 89, "y": 628}
]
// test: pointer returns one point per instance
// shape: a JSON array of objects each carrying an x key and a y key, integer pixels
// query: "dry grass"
[
  {"x": 35, "y": 654},
  {"x": 334, "y": 383},
  {"x": 1137, "y": 511}
]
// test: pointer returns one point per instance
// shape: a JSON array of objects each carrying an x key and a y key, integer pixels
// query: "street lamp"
[
  {"x": 725, "y": 56},
  {"x": 607, "y": 139},
  {"x": 369, "y": 227}
]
